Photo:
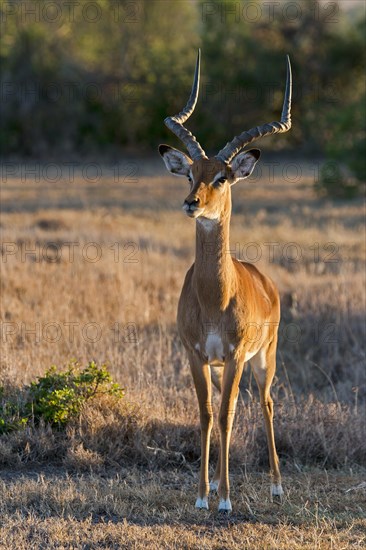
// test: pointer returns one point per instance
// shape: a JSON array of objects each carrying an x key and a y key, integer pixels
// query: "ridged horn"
[
  {"x": 239, "y": 142},
  {"x": 175, "y": 123}
]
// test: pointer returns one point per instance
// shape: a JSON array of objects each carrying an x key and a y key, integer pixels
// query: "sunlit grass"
[{"x": 94, "y": 272}]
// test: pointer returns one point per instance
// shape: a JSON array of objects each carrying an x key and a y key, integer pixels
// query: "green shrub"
[
  {"x": 344, "y": 173},
  {"x": 333, "y": 182},
  {"x": 57, "y": 397}
]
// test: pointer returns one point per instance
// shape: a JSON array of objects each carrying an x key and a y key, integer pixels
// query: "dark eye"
[
  {"x": 221, "y": 180},
  {"x": 189, "y": 179}
]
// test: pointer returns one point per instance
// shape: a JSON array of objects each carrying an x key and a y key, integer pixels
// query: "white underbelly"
[{"x": 214, "y": 350}]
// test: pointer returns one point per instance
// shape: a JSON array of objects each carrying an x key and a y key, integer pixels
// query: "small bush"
[
  {"x": 57, "y": 397},
  {"x": 333, "y": 182}
]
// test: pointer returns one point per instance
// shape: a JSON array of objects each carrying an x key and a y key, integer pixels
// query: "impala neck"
[{"x": 213, "y": 270}]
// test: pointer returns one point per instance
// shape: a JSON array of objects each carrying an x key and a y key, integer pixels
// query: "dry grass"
[
  {"x": 111, "y": 434},
  {"x": 152, "y": 441},
  {"x": 135, "y": 509}
]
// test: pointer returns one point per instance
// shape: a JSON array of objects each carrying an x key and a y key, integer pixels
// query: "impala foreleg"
[
  {"x": 202, "y": 381},
  {"x": 230, "y": 389}
]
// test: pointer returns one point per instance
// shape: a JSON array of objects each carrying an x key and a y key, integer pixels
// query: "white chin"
[{"x": 194, "y": 213}]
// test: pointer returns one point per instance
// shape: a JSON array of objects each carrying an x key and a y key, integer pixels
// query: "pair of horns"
[{"x": 232, "y": 148}]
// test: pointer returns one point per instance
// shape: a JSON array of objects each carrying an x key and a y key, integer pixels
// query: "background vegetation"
[{"x": 102, "y": 76}]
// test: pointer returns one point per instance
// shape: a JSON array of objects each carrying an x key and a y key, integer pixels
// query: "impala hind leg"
[
  {"x": 264, "y": 367},
  {"x": 202, "y": 381},
  {"x": 216, "y": 377},
  {"x": 214, "y": 484}
]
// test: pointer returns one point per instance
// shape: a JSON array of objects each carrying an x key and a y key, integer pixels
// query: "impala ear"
[
  {"x": 243, "y": 164},
  {"x": 177, "y": 163}
]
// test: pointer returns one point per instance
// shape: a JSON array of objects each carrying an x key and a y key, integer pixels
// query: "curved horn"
[
  {"x": 233, "y": 147},
  {"x": 175, "y": 123}
]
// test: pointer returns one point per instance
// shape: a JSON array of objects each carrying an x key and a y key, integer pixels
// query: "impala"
[{"x": 223, "y": 298}]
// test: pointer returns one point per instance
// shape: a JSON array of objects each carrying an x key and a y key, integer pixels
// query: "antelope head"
[{"x": 211, "y": 178}]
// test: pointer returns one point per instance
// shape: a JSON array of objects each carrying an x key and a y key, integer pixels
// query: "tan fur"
[{"x": 226, "y": 307}]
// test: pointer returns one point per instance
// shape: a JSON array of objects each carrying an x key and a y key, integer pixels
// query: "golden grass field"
[{"x": 93, "y": 270}]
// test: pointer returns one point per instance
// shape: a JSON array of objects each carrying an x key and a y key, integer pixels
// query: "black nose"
[{"x": 192, "y": 202}]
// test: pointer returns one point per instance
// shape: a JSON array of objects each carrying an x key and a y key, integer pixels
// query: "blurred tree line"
[{"x": 91, "y": 77}]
